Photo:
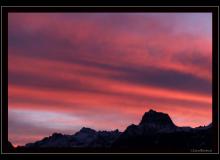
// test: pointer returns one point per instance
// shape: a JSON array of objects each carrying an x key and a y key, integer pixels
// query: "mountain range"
[{"x": 156, "y": 132}]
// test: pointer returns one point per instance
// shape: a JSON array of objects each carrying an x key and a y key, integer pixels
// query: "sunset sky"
[{"x": 104, "y": 70}]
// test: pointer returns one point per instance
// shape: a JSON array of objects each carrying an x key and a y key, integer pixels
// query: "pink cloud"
[{"x": 98, "y": 52}]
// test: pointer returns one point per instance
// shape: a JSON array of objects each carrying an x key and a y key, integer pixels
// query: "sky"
[{"x": 105, "y": 70}]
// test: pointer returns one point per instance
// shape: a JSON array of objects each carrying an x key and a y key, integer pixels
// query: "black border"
[
  {"x": 215, "y": 69},
  {"x": 110, "y": 3}
]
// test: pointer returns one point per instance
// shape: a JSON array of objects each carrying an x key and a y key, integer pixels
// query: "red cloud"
[{"x": 51, "y": 43}]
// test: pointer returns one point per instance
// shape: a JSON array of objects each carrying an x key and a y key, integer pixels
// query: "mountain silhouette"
[
  {"x": 86, "y": 137},
  {"x": 156, "y": 132},
  {"x": 10, "y": 146},
  {"x": 156, "y": 118}
]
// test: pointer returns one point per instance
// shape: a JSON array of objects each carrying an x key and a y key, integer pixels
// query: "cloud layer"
[{"x": 104, "y": 70}]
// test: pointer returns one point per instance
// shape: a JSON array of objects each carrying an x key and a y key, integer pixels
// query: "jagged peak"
[
  {"x": 57, "y": 134},
  {"x": 87, "y": 130},
  {"x": 204, "y": 127},
  {"x": 152, "y": 111},
  {"x": 10, "y": 145},
  {"x": 158, "y": 118}
]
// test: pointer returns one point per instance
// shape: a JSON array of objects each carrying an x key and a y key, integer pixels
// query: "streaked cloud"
[{"x": 104, "y": 70}]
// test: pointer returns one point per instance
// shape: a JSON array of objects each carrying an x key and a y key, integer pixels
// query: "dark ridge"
[
  {"x": 157, "y": 118},
  {"x": 156, "y": 132},
  {"x": 10, "y": 146}
]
